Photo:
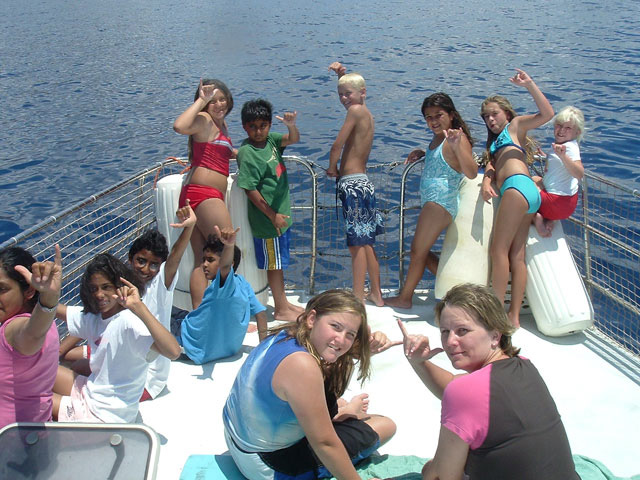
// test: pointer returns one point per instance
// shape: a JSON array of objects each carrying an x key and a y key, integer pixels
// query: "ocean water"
[{"x": 90, "y": 89}]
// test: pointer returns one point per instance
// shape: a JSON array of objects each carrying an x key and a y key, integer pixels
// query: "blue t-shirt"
[
  {"x": 254, "y": 416},
  {"x": 217, "y": 327}
]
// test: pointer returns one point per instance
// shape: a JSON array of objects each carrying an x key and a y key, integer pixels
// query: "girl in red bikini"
[{"x": 210, "y": 150}]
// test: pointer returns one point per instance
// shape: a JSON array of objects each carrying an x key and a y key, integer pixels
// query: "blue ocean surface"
[{"x": 90, "y": 89}]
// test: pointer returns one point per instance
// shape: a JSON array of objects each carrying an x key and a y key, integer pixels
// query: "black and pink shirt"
[{"x": 504, "y": 412}]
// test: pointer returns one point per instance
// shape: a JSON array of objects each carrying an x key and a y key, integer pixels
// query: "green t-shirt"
[{"x": 263, "y": 169}]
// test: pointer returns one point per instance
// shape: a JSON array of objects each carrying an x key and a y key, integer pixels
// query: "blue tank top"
[
  {"x": 254, "y": 416},
  {"x": 504, "y": 140}
]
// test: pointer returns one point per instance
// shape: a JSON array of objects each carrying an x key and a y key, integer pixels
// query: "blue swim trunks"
[
  {"x": 273, "y": 253},
  {"x": 526, "y": 187},
  {"x": 362, "y": 219}
]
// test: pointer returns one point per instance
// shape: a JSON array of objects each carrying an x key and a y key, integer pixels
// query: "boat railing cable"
[{"x": 604, "y": 235}]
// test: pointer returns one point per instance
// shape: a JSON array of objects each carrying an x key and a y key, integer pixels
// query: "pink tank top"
[
  {"x": 213, "y": 155},
  {"x": 26, "y": 381}
]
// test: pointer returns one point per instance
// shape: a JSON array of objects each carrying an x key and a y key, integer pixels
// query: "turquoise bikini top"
[{"x": 504, "y": 140}]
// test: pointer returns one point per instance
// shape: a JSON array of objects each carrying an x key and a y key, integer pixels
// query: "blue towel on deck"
[{"x": 407, "y": 467}]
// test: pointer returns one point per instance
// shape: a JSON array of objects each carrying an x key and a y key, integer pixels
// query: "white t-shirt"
[
  {"x": 557, "y": 179},
  {"x": 119, "y": 350},
  {"x": 159, "y": 300}
]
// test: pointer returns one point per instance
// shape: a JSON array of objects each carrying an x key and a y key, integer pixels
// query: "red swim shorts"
[
  {"x": 198, "y": 194},
  {"x": 557, "y": 207}
]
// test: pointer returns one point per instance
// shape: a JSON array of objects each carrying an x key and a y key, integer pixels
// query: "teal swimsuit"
[
  {"x": 520, "y": 182},
  {"x": 439, "y": 182},
  {"x": 504, "y": 140},
  {"x": 526, "y": 187}
]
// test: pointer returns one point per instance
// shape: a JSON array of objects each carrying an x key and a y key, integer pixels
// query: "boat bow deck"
[{"x": 598, "y": 403}]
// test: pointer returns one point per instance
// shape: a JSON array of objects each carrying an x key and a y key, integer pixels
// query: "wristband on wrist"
[{"x": 46, "y": 309}]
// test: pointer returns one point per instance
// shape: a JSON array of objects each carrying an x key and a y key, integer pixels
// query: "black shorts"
[{"x": 299, "y": 460}]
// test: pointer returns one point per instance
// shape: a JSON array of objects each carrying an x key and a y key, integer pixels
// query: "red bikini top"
[{"x": 213, "y": 155}]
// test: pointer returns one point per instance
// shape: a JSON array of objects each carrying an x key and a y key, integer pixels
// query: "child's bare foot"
[
  {"x": 398, "y": 302},
  {"x": 359, "y": 404},
  {"x": 542, "y": 226},
  {"x": 549, "y": 224},
  {"x": 288, "y": 312},
  {"x": 375, "y": 298},
  {"x": 356, "y": 408}
]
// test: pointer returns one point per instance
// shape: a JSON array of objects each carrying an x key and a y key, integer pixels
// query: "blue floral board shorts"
[{"x": 362, "y": 219}]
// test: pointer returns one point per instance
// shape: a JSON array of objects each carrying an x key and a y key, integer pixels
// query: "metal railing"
[{"x": 604, "y": 235}]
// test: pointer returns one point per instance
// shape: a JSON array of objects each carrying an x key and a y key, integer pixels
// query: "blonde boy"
[{"x": 363, "y": 222}]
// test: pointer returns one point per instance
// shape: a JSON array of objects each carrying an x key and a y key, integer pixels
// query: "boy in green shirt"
[{"x": 263, "y": 175}]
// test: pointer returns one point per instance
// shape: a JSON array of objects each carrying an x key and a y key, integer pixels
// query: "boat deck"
[{"x": 597, "y": 397}]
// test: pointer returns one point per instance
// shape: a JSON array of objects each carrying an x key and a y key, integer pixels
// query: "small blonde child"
[{"x": 559, "y": 186}]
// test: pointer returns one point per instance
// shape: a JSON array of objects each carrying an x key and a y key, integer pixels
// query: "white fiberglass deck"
[{"x": 599, "y": 403}]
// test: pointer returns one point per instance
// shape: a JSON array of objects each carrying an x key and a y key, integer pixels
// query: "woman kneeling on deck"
[
  {"x": 283, "y": 417},
  {"x": 499, "y": 420}
]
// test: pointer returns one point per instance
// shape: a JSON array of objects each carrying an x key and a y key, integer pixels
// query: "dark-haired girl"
[
  {"x": 448, "y": 160},
  {"x": 123, "y": 335},
  {"x": 210, "y": 150},
  {"x": 29, "y": 293}
]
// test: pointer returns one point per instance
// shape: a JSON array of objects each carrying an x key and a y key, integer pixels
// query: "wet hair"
[
  {"x": 530, "y": 146},
  {"x": 443, "y": 101},
  {"x": 112, "y": 268},
  {"x": 482, "y": 304},
  {"x": 153, "y": 241},
  {"x": 337, "y": 374},
  {"x": 573, "y": 115},
  {"x": 354, "y": 80},
  {"x": 225, "y": 91},
  {"x": 12, "y": 257},
  {"x": 258, "y": 109},
  {"x": 215, "y": 246}
]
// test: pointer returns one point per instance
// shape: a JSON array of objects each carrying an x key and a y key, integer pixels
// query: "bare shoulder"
[
  {"x": 360, "y": 110},
  {"x": 204, "y": 126},
  {"x": 299, "y": 362},
  {"x": 360, "y": 114},
  {"x": 297, "y": 371}
]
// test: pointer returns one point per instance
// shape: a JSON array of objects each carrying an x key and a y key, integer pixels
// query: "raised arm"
[
  {"x": 338, "y": 68},
  {"x": 298, "y": 381},
  {"x": 190, "y": 122},
  {"x": 460, "y": 147},
  {"x": 574, "y": 167},
  {"x": 163, "y": 341},
  {"x": 227, "y": 236},
  {"x": 187, "y": 221},
  {"x": 27, "y": 336},
  {"x": 525, "y": 123},
  {"x": 418, "y": 352},
  {"x": 293, "y": 136}
]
